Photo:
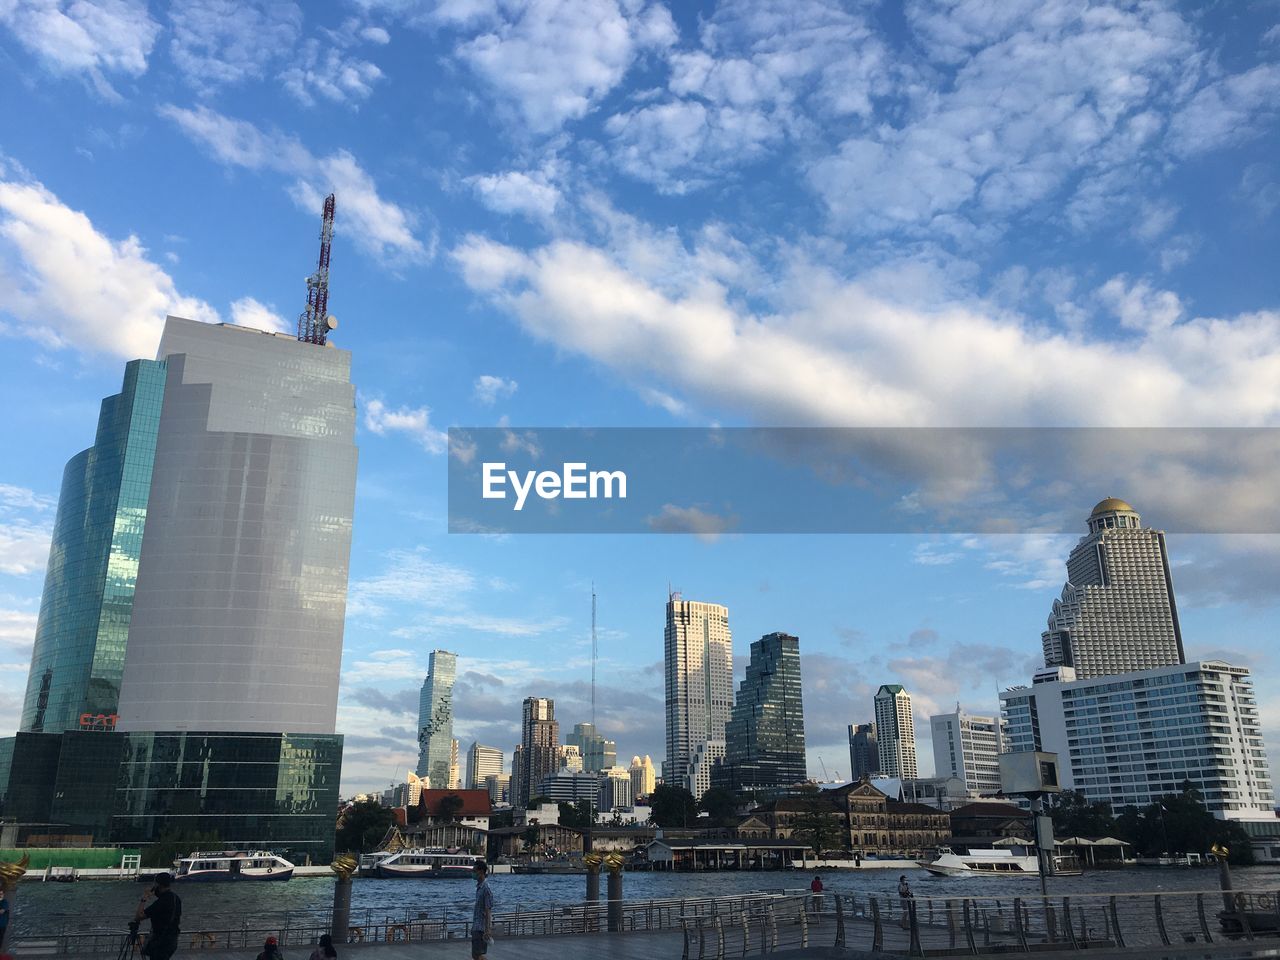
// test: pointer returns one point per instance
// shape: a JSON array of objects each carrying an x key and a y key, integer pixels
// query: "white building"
[
  {"x": 967, "y": 747},
  {"x": 896, "y": 732},
  {"x": 1132, "y": 738},
  {"x": 615, "y": 789},
  {"x": 482, "y": 761},
  {"x": 644, "y": 777},
  {"x": 571, "y": 757},
  {"x": 698, "y": 661},
  {"x": 1117, "y": 612}
]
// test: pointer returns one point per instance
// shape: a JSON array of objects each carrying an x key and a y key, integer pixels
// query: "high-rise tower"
[
  {"x": 1117, "y": 612},
  {"x": 864, "y": 753},
  {"x": 895, "y": 732},
  {"x": 435, "y": 718},
  {"x": 539, "y": 740},
  {"x": 698, "y": 661},
  {"x": 967, "y": 747},
  {"x": 764, "y": 738}
]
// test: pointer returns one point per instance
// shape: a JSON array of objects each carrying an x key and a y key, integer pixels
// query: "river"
[{"x": 108, "y": 905}]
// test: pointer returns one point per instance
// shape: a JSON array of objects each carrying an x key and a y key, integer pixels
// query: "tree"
[
  {"x": 721, "y": 806},
  {"x": 575, "y": 815},
  {"x": 1074, "y": 815},
  {"x": 673, "y": 806},
  {"x": 817, "y": 826},
  {"x": 1180, "y": 823},
  {"x": 450, "y": 806},
  {"x": 361, "y": 826},
  {"x": 530, "y": 837}
]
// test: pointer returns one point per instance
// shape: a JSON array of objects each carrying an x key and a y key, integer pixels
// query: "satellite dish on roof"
[{"x": 331, "y": 322}]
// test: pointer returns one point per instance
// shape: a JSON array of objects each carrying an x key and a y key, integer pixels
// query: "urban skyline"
[{"x": 928, "y": 220}]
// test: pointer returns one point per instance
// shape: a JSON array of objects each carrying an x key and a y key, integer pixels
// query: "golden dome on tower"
[{"x": 1112, "y": 505}]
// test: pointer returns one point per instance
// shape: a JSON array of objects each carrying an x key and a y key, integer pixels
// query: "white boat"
[
  {"x": 433, "y": 862},
  {"x": 997, "y": 862},
  {"x": 369, "y": 862},
  {"x": 234, "y": 865}
]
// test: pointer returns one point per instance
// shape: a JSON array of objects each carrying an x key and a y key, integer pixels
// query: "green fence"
[{"x": 82, "y": 858}]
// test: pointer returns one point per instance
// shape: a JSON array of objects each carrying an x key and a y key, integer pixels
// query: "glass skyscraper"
[
  {"x": 87, "y": 605},
  {"x": 186, "y": 662},
  {"x": 435, "y": 719},
  {"x": 764, "y": 738}
]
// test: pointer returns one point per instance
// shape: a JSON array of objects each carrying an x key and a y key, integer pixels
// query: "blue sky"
[{"x": 619, "y": 213}]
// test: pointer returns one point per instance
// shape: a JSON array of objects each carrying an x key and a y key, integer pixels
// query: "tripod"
[{"x": 129, "y": 948}]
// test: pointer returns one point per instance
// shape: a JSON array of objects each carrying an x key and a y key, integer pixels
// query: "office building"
[
  {"x": 481, "y": 762},
  {"x": 571, "y": 758},
  {"x": 435, "y": 718},
  {"x": 187, "y": 654},
  {"x": 895, "y": 732},
  {"x": 1130, "y": 739},
  {"x": 698, "y": 664},
  {"x": 569, "y": 786},
  {"x": 615, "y": 790},
  {"x": 539, "y": 747},
  {"x": 644, "y": 777},
  {"x": 967, "y": 747},
  {"x": 1117, "y": 612},
  {"x": 597, "y": 753},
  {"x": 455, "y": 767},
  {"x": 864, "y": 754},
  {"x": 764, "y": 738},
  {"x": 499, "y": 787}
]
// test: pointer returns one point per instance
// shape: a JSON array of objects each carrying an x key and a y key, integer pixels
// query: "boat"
[
  {"x": 233, "y": 865},
  {"x": 998, "y": 862},
  {"x": 369, "y": 862},
  {"x": 427, "y": 862}
]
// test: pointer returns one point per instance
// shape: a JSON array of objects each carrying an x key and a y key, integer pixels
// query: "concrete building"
[
  {"x": 967, "y": 747},
  {"x": 570, "y": 786},
  {"x": 482, "y": 761},
  {"x": 194, "y": 603},
  {"x": 435, "y": 719},
  {"x": 597, "y": 753},
  {"x": 539, "y": 745},
  {"x": 644, "y": 777},
  {"x": 615, "y": 790},
  {"x": 895, "y": 732},
  {"x": 1117, "y": 612},
  {"x": 455, "y": 766},
  {"x": 499, "y": 787},
  {"x": 1133, "y": 738},
  {"x": 698, "y": 664},
  {"x": 764, "y": 738},
  {"x": 864, "y": 754},
  {"x": 571, "y": 758}
]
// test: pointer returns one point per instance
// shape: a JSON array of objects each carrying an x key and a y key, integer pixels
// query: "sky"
[{"x": 607, "y": 213}]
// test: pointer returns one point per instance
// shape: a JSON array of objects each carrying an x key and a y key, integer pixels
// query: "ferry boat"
[
  {"x": 433, "y": 862},
  {"x": 234, "y": 865},
  {"x": 369, "y": 862},
  {"x": 997, "y": 862}
]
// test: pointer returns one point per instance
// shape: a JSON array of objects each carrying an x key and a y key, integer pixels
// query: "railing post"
[
  {"x": 915, "y": 949},
  {"x": 702, "y": 939},
  {"x": 1204, "y": 923},
  {"x": 1159, "y": 908},
  {"x": 804, "y": 925},
  {"x": 1066, "y": 923},
  {"x": 839, "y": 920},
  {"x": 684, "y": 927},
  {"x": 968, "y": 930},
  {"x": 877, "y": 931},
  {"x": 1243, "y": 915},
  {"x": 1117, "y": 934},
  {"x": 1019, "y": 927},
  {"x": 746, "y": 929}
]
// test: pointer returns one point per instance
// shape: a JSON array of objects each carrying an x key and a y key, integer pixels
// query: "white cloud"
[
  {"x": 375, "y": 35},
  {"x": 489, "y": 389},
  {"x": 830, "y": 350},
  {"x": 383, "y": 229},
  {"x": 414, "y": 422},
  {"x": 248, "y": 312},
  {"x": 1228, "y": 111},
  {"x": 69, "y": 285},
  {"x": 20, "y": 498},
  {"x": 1138, "y": 306},
  {"x": 517, "y": 192},
  {"x": 411, "y": 578},
  {"x": 109, "y": 36},
  {"x": 230, "y": 41},
  {"x": 24, "y": 547},
  {"x": 17, "y": 631},
  {"x": 555, "y": 59},
  {"x": 330, "y": 74}
]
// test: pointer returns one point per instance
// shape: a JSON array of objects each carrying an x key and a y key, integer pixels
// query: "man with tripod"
[{"x": 165, "y": 914}]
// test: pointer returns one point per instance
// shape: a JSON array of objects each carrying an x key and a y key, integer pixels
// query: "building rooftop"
[{"x": 1112, "y": 505}]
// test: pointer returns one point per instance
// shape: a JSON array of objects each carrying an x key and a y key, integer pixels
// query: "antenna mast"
[
  {"x": 315, "y": 323},
  {"x": 595, "y": 653}
]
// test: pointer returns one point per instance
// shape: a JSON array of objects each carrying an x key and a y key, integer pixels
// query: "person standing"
[
  {"x": 165, "y": 914},
  {"x": 904, "y": 899},
  {"x": 324, "y": 949},
  {"x": 4, "y": 915},
  {"x": 482, "y": 916},
  {"x": 815, "y": 889}
]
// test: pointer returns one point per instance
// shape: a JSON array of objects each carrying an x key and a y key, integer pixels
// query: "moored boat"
[
  {"x": 428, "y": 863},
  {"x": 233, "y": 865},
  {"x": 998, "y": 862}
]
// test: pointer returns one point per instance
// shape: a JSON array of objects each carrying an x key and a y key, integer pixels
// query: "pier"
[{"x": 1209, "y": 923}]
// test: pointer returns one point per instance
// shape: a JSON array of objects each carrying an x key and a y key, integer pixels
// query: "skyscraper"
[
  {"x": 481, "y": 762},
  {"x": 1117, "y": 612},
  {"x": 644, "y": 778},
  {"x": 698, "y": 662},
  {"x": 597, "y": 753},
  {"x": 89, "y": 586},
  {"x": 864, "y": 754},
  {"x": 764, "y": 738},
  {"x": 195, "y": 600},
  {"x": 967, "y": 747},
  {"x": 895, "y": 732},
  {"x": 435, "y": 718},
  {"x": 539, "y": 740},
  {"x": 455, "y": 765}
]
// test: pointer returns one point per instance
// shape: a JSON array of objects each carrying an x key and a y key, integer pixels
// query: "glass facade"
[
  {"x": 85, "y": 612},
  {"x": 435, "y": 719},
  {"x": 764, "y": 738}
]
